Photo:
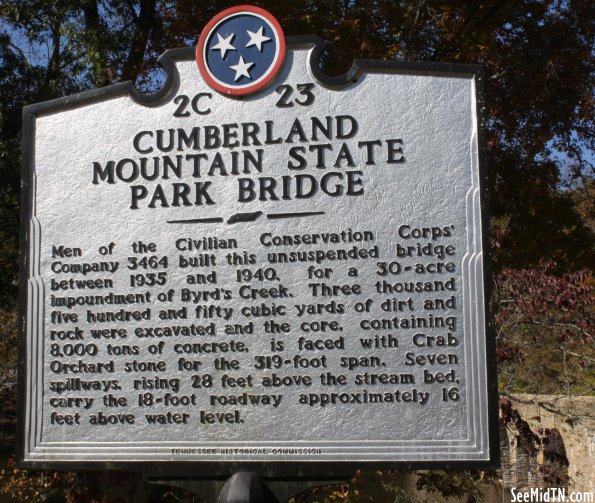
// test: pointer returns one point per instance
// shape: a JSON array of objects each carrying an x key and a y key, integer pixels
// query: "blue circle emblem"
[{"x": 241, "y": 50}]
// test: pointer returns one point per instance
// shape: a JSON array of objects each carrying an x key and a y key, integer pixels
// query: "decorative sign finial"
[{"x": 241, "y": 50}]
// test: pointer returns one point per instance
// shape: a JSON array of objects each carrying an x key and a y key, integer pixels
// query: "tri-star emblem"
[{"x": 241, "y": 50}]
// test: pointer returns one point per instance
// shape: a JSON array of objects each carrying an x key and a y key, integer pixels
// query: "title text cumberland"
[{"x": 225, "y": 158}]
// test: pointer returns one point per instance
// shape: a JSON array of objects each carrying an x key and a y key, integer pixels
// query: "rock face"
[{"x": 562, "y": 455}]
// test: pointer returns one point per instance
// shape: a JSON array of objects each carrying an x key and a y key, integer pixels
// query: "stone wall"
[{"x": 566, "y": 429}]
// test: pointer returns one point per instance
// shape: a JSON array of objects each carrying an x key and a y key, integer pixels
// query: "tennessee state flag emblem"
[{"x": 241, "y": 50}]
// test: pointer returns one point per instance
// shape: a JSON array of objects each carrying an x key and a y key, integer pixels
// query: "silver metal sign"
[{"x": 296, "y": 275}]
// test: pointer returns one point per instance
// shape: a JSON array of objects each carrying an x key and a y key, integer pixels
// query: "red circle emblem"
[{"x": 241, "y": 50}]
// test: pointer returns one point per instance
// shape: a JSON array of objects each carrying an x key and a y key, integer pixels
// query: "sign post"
[{"x": 260, "y": 267}]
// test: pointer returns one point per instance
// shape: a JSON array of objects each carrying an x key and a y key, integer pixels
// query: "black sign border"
[{"x": 271, "y": 469}]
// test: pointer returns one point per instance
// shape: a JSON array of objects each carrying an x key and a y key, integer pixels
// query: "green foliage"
[
  {"x": 393, "y": 486},
  {"x": 8, "y": 377},
  {"x": 28, "y": 486},
  {"x": 457, "y": 484},
  {"x": 544, "y": 329}
]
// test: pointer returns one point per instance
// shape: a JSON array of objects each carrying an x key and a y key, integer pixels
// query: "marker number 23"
[{"x": 305, "y": 98}]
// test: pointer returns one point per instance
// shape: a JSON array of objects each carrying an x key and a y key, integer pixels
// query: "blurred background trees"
[{"x": 539, "y": 109}]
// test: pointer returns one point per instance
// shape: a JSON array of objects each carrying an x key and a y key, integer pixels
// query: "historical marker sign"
[{"x": 259, "y": 263}]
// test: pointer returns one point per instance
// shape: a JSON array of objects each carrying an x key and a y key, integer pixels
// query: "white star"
[
  {"x": 257, "y": 38},
  {"x": 242, "y": 69},
  {"x": 224, "y": 45}
]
